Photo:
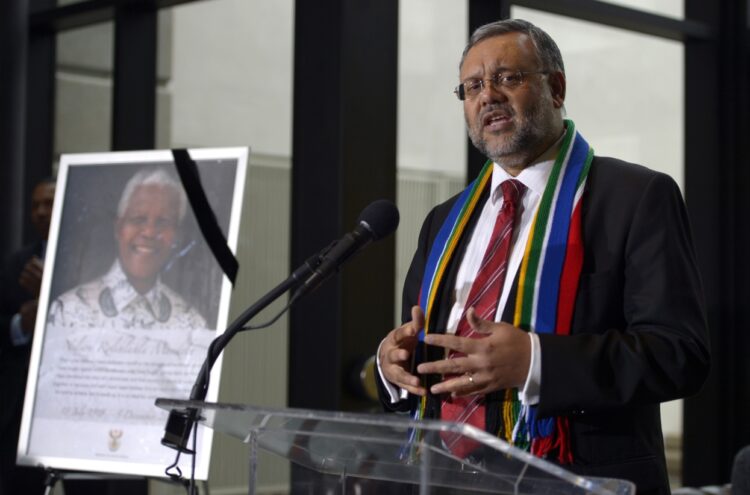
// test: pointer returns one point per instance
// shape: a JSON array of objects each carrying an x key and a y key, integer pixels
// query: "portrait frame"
[{"x": 131, "y": 297}]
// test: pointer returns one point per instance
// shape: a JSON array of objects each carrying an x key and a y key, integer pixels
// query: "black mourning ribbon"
[{"x": 191, "y": 181}]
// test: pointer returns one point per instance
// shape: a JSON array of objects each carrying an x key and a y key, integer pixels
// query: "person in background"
[{"x": 20, "y": 282}]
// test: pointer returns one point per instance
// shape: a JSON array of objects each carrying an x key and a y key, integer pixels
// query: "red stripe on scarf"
[
  {"x": 570, "y": 275},
  {"x": 566, "y": 303},
  {"x": 564, "y": 452}
]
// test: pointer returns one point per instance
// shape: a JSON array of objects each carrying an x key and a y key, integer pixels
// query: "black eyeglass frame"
[{"x": 496, "y": 81}]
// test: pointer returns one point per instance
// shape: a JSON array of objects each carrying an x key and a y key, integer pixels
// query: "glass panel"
[
  {"x": 670, "y": 8},
  {"x": 431, "y": 130},
  {"x": 626, "y": 105},
  {"x": 431, "y": 135},
  {"x": 629, "y": 106},
  {"x": 225, "y": 79},
  {"x": 83, "y": 99},
  {"x": 234, "y": 87}
]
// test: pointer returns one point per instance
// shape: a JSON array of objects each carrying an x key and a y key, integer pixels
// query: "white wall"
[{"x": 231, "y": 82}]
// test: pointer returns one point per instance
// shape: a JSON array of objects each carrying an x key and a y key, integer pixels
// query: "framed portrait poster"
[{"x": 131, "y": 298}]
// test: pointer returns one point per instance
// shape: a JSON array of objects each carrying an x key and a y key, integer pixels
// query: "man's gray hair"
[
  {"x": 155, "y": 177},
  {"x": 546, "y": 48}
]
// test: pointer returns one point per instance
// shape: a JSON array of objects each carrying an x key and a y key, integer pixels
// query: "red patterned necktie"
[{"x": 483, "y": 297}]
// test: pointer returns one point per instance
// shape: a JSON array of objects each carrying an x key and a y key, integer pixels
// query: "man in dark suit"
[
  {"x": 628, "y": 329},
  {"x": 20, "y": 282}
]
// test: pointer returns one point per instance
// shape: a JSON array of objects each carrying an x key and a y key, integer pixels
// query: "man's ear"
[{"x": 557, "y": 88}]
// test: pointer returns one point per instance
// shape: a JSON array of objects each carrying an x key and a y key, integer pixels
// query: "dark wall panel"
[
  {"x": 134, "y": 79},
  {"x": 344, "y": 157},
  {"x": 13, "y": 33},
  {"x": 717, "y": 179}
]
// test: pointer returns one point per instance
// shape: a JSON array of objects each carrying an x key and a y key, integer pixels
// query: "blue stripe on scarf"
[
  {"x": 441, "y": 240},
  {"x": 549, "y": 286},
  {"x": 539, "y": 428}
]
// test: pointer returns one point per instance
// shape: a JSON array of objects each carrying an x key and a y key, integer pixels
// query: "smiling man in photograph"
[
  {"x": 558, "y": 296},
  {"x": 131, "y": 294}
]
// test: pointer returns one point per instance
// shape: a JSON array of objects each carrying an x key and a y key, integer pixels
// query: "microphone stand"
[{"x": 180, "y": 422}]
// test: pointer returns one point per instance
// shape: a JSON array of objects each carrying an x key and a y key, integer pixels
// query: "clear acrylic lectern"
[{"x": 368, "y": 453}]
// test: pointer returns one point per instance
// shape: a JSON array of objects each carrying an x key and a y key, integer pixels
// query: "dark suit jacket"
[
  {"x": 14, "y": 366},
  {"x": 638, "y": 334}
]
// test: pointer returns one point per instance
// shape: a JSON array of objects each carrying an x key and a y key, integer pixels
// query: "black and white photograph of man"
[{"x": 131, "y": 294}]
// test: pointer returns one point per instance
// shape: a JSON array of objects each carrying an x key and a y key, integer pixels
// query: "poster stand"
[{"x": 54, "y": 476}]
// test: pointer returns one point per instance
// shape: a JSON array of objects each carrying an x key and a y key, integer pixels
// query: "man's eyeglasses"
[{"x": 470, "y": 88}]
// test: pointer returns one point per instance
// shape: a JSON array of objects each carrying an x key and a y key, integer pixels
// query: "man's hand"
[
  {"x": 28, "y": 315},
  {"x": 396, "y": 353},
  {"x": 499, "y": 359},
  {"x": 31, "y": 276}
]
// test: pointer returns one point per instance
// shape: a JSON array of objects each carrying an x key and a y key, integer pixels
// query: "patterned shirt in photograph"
[{"x": 111, "y": 302}]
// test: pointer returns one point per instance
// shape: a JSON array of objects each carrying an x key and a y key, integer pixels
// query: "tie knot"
[{"x": 512, "y": 191}]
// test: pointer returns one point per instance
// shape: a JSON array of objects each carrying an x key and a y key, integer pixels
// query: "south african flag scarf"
[{"x": 547, "y": 284}]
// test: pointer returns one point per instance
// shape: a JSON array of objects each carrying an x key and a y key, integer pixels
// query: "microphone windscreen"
[{"x": 381, "y": 217}]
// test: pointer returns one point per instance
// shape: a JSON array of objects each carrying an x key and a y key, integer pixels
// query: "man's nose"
[
  {"x": 149, "y": 229},
  {"x": 490, "y": 94}
]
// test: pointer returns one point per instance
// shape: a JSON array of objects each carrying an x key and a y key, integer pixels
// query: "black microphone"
[{"x": 378, "y": 220}]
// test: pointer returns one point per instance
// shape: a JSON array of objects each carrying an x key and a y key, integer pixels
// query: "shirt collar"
[
  {"x": 123, "y": 293},
  {"x": 534, "y": 176}
]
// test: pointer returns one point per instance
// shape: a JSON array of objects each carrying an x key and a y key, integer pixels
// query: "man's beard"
[{"x": 533, "y": 126}]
